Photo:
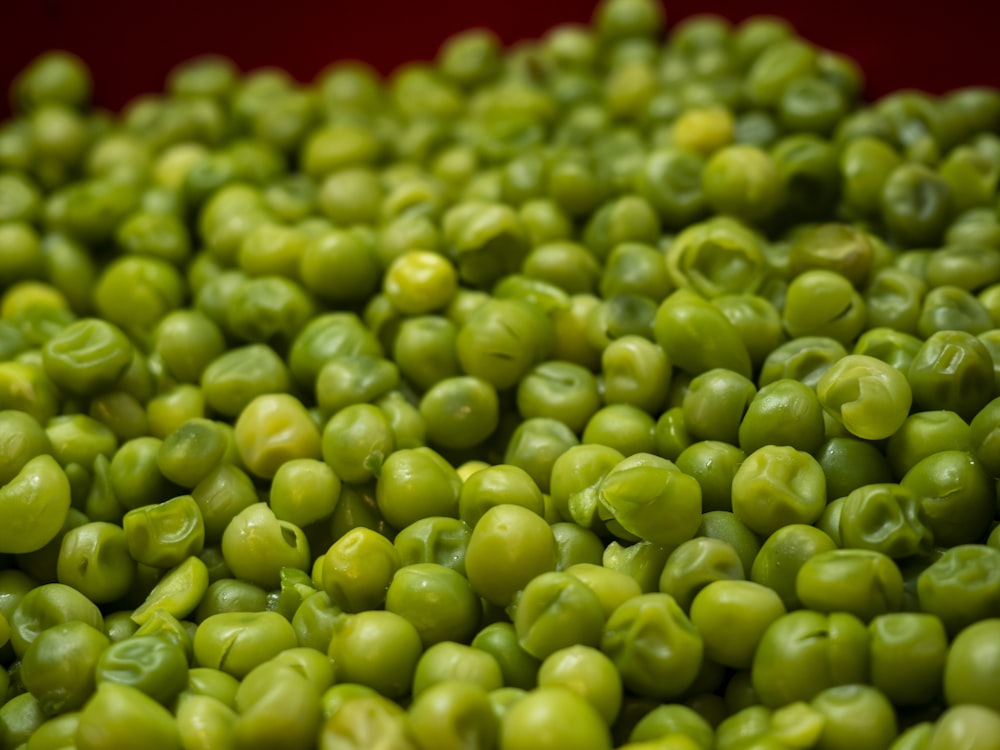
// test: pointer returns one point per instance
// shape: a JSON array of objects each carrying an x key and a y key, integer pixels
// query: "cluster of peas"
[{"x": 603, "y": 391}]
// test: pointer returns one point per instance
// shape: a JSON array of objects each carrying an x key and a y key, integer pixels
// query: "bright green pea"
[
  {"x": 27, "y": 388},
  {"x": 498, "y": 485},
  {"x": 509, "y": 546},
  {"x": 871, "y": 398},
  {"x": 624, "y": 427},
  {"x": 742, "y": 181},
  {"x": 135, "y": 292},
  {"x": 802, "y": 653},
  {"x": 722, "y": 603},
  {"x": 26, "y": 440},
  {"x": 256, "y": 545},
  {"x": 636, "y": 371},
  {"x": 356, "y": 441},
  {"x": 376, "y": 648},
  {"x": 437, "y": 600},
  {"x": 555, "y": 611},
  {"x": 974, "y": 725},
  {"x": 782, "y": 555},
  {"x": 304, "y": 491},
  {"x": 855, "y": 716},
  {"x": 697, "y": 337},
  {"x": 363, "y": 719},
  {"x": 358, "y": 569},
  {"x": 236, "y": 642},
  {"x": 776, "y": 486},
  {"x": 862, "y": 582},
  {"x": 35, "y": 503},
  {"x": 274, "y": 428},
  {"x": 908, "y": 652},
  {"x": 559, "y": 390},
  {"x": 650, "y": 497},
  {"x": 326, "y": 336},
  {"x": 716, "y": 257},
  {"x": 553, "y": 717},
  {"x": 123, "y": 716}
]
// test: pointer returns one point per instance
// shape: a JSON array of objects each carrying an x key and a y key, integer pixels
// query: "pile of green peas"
[{"x": 629, "y": 388}]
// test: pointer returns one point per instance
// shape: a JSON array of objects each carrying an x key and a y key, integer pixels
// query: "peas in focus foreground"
[{"x": 631, "y": 387}]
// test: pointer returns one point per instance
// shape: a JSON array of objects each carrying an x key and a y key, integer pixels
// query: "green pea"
[
  {"x": 855, "y": 716},
  {"x": 509, "y": 546},
  {"x": 326, "y": 336},
  {"x": 961, "y": 587},
  {"x": 133, "y": 283},
  {"x": 460, "y": 412},
  {"x": 776, "y": 486},
  {"x": 807, "y": 166},
  {"x": 236, "y": 642},
  {"x": 834, "y": 646},
  {"x": 869, "y": 397},
  {"x": 35, "y": 501},
  {"x": 716, "y": 257},
  {"x": 908, "y": 652},
  {"x": 390, "y": 667},
  {"x": 524, "y": 725},
  {"x": 155, "y": 666},
  {"x": 555, "y": 611},
  {"x": 742, "y": 181},
  {"x": 176, "y": 594},
  {"x": 58, "y": 667},
  {"x": 233, "y": 379},
  {"x": 95, "y": 560},
  {"x": 915, "y": 204},
  {"x": 956, "y": 496},
  {"x": 559, "y": 390},
  {"x": 624, "y": 427},
  {"x": 274, "y": 428},
  {"x": 651, "y": 498},
  {"x": 256, "y": 545},
  {"x": 437, "y": 600},
  {"x": 434, "y": 539},
  {"x": 124, "y": 716},
  {"x": 670, "y": 179},
  {"x": 697, "y": 337},
  {"x": 663, "y": 664},
  {"x": 713, "y": 464},
  {"x": 268, "y": 309},
  {"x": 782, "y": 555},
  {"x": 221, "y": 496},
  {"x": 973, "y": 724},
  {"x": 714, "y": 405},
  {"x": 338, "y": 267},
  {"x": 863, "y": 582}
]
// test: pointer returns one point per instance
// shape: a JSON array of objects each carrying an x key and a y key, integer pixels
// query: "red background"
[{"x": 131, "y": 44}]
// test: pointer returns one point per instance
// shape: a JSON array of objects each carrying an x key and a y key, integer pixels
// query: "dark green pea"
[
  {"x": 357, "y": 508},
  {"x": 984, "y": 436},
  {"x": 962, "y": 587},
  {"x": 695, "y": 564},
  {"x": 486, "y": 239},
  {"x": 866, "y": 162},
  {"x": 811, "y": 104},
  {"x": 634, "y": 268},
  {"x": 424, "y": 350},
  {"x": 894, "y": 299},
  {"x": 807, "y": 166},
  {"x": 404, "y": 419},
  {"x": 87, "y": 356},
  {"x": 354, "y": 379},
  {"x": 725, "y": 526},
  {"x": 47, "y": 605},
  {"x": 339, "y": 267},
  {"x": 135, "y": 475},
  {"x": 953, "y": 371},
  {"x": 971, "y": 176},
  {"x": 924, "y": 434},
  {"x": 850, "y": 463},
  {"x": 221, "y": 496},
  {"x": 536, "y": 445},
  {"x": 500, "y": 639},
  {"x": 154, "y": 665},
  {"x": 619, "y": 316},
  {"x": 715, "y": 403},
  {"x": 951, "y": 308},
  {"x": 670, "y": 434},
  {"x": 908, "y": 657},
  {"x": 957, "y": 496},
  {"x": 783, "y": 554},
  {"x": 916, "y": 205},
  {"x": 777, "y": 67},
  {"x": 94, "y": 558},
  {"x": 784, "y": 412},
  {"x": 165, "y": 534},
  {"x": 886, "y": 518},
  {"x": 713, "y": 464},
  {"x": 269, "y": 310},
  {"x": 805, "y": 359}
]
